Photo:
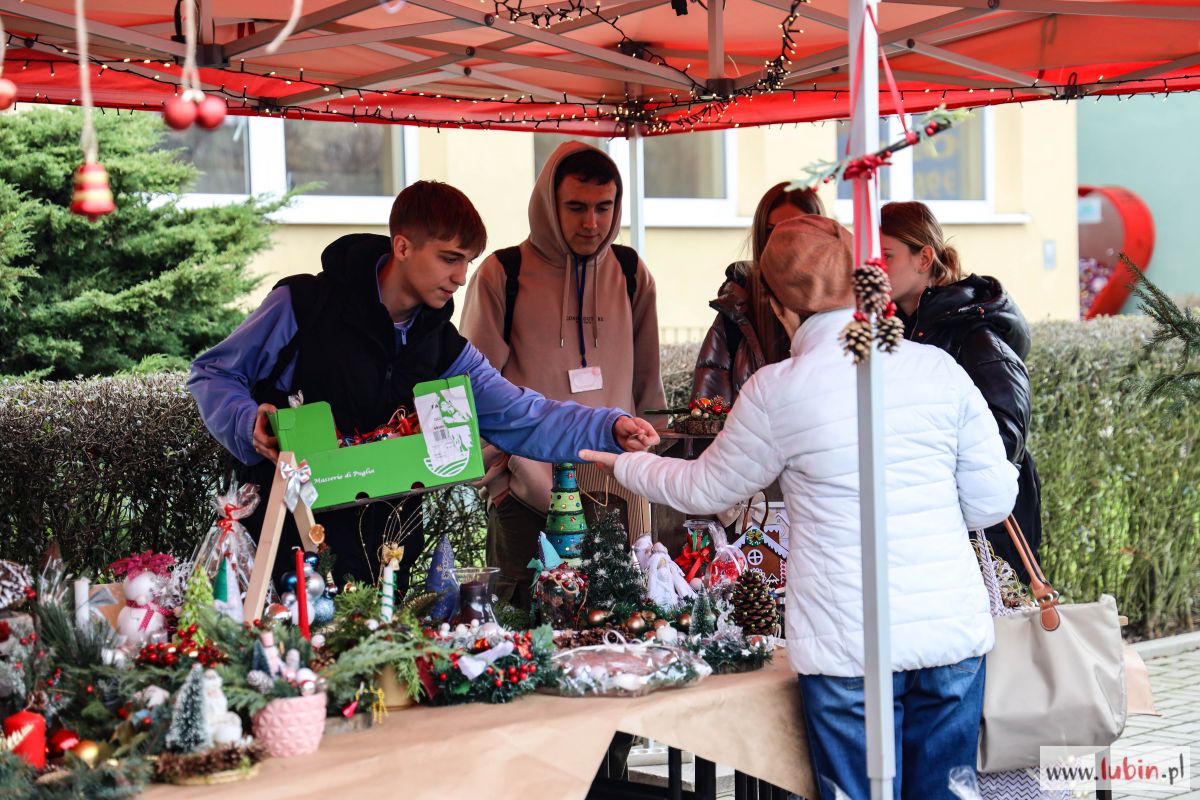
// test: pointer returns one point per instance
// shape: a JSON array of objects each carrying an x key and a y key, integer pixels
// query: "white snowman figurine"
[
  {"x": 142, "y": 616},
  {"x": 224, "y": 726}
]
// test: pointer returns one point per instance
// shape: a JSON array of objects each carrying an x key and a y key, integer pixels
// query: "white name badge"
[{"x": 585, "y": 379}]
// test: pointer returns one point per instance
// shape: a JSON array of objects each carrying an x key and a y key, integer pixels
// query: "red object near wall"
[
  {"x": 33, "y": 747},
  {"x": 1125, "y": 225}
]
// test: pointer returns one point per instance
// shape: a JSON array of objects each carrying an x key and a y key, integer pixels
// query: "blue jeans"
[{"x": 937, "y": 713}]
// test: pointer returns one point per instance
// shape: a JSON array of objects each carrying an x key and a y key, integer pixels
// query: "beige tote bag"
[{"x": 1056, "y": 675}]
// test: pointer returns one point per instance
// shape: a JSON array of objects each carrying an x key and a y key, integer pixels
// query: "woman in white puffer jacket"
[{"x": 946, "y": 472}]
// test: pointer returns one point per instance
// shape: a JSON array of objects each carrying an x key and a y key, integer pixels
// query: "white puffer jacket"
[{"x": 946, "y": 472}]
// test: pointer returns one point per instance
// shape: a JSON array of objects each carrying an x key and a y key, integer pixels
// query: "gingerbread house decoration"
[{"x": 765, "y": 553}]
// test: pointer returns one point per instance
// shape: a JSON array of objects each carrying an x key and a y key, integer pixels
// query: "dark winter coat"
[
  {"x": 977, "y": 322},
  {"x": 730, "y": 352}
]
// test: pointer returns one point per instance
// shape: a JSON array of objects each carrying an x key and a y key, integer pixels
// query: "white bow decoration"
[
  {"x": 299, "y": 485},
  {"x": 472, "y": 666}
]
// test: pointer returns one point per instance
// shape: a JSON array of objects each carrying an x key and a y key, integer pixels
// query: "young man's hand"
[
  {"x": 607, "y": 462},
  {"x": 265, "y": 444},
  {"x": 634, "y": 434}
]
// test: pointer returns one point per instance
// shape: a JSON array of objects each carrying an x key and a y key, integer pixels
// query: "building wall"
[
  {"x": 1034, "y": 205},
  {"x": 1145, "y": 145}
]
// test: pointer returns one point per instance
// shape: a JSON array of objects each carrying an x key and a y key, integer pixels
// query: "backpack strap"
[
  {"x": 628, "y": 259},
  {"x": 510, "y": 259}
]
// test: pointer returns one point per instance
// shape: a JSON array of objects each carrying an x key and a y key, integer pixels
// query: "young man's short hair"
[
  {"x": 435, "y": 210},
  {"x": 588, "y": 165}
]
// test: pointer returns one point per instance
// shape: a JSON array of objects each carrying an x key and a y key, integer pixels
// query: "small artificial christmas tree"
[
  {"x": 753, "y": 607},
  {"x": 612, "y": 577},
  {"x": 704, "y": 617},
  {"x": 565, "y": 525},
  {"x": 198, "y": 595},
  {"x": 189, "y": 720}
]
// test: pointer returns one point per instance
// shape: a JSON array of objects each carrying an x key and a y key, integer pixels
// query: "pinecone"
[
  {"x": 889, "y": 331},
  {"x": 753, "y": 607},
  {"x": 856, "y": 339},
  {"x": 872, "y": 288}
]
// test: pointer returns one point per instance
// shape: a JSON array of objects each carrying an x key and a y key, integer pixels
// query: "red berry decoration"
[
  {"x": 8, "y": 93},
  {"x": 210, "y": 112},
  {"x": 179, "y": 113},
  {"x": 931, "y": 129}
]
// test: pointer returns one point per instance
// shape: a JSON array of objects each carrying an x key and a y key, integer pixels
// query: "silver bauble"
[
  {"x": 315, "y": 584},
  {"x": 322, "y": 610},
  {"x": 288, "y": 598}
]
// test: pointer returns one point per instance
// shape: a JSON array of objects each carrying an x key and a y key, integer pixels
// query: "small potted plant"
[{"x": 705, "y": 417}]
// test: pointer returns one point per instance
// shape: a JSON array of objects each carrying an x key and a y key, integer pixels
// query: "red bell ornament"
[
  {"x": 61, "y": 741},
  {"x": 8, "y": 93},
  {"x": 32, "y": 747},
  {"x": 92, "y": 199},
  {"x": 179, "y": 113},
  {"x": 210, "y": 112}
]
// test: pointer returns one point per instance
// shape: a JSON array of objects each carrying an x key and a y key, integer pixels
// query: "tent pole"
[
  {"x": 637, "y": 184},
  {"x": 716, "y": 39},
  {"x": 877, "y": 683},
  {"x": 637, "y": 193}
]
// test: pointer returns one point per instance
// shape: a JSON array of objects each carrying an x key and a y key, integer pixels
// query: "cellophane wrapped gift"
[
  {"x": 229, "y": 538},
  {"x": 619, "y": 668},
  {"x": 728, "y": 564}
]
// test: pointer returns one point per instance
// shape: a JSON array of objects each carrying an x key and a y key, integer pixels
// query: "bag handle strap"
[{"x": 1045, "y": 595}]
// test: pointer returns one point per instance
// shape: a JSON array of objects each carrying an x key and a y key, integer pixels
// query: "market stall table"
[{"x": 543, "y": 746}]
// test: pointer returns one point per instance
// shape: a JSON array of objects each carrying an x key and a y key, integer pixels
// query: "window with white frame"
[
  {"x": 361, "y": 167},
  {"x": 952, "y": 172},
  {"x": 690, "y": 179}
]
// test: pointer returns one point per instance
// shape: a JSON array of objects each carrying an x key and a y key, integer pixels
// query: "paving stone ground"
[{"x": 1175, "y": 680}]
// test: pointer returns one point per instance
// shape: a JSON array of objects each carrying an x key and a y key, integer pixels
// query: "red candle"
[
  {"x": 33, "y": 747},
  {"x": 302, "y": 594}
]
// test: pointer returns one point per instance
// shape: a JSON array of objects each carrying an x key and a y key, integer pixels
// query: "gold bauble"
[
  {"x": 684, "y": 622},
  {"x": 350, "y": 587},
  {"x": 635, "y": 624},
  {"x": 598, "y": 616},
  {"x": 87, "y": 751}
]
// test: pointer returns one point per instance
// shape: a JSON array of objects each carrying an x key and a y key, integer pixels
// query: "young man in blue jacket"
[{"x": 360, "y": 335}]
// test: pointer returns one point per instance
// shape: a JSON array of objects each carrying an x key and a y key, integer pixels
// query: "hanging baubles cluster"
[
  {"x": 193, "y": 106},
  {"x": 8, "y": 93},
  {"x": 8, "y": 89}
]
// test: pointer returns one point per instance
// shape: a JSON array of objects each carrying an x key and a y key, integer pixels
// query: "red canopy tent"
[
  {"x": 583, "y": 67},
  {"x": 644, "y": 67}
]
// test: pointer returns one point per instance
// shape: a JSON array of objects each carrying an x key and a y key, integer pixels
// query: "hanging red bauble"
[
  {"x": 32, "y": 747},
  {"x": 179, "y": 113},
  {"x": 8, "y": 93},
  {"x": 92, "y": 199},
  {"x": 210, "y": 112},
  {"x": 61, "y": 741}
]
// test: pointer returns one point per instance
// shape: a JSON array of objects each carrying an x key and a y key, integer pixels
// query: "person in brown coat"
[{"x": 747, "y": 333}]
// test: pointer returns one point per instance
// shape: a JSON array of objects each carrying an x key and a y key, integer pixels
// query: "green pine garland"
[
  {"x": 497, "y": 684},
  {"x": 102, "y": 782}
]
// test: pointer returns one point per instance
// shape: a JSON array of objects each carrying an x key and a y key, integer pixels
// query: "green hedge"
[{"x": 110, "y": 466}]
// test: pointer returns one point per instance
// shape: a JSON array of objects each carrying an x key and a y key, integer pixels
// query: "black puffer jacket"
[
  {"x": 976, "y": 321},
  {"x": 731, "y": 351}
]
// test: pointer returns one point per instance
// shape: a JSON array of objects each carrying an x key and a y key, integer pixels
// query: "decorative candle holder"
[{"x": 476, "y": 594}]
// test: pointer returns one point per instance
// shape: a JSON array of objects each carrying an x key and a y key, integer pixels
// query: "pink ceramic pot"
[{"x": 291, "y": 726}]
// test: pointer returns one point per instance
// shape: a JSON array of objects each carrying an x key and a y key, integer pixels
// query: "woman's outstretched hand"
[{"x": 605, "y": 461}]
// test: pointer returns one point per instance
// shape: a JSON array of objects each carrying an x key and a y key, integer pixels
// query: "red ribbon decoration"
[
  {"x": 694, "y": 555},
  {"x": 151, "y": 608}
]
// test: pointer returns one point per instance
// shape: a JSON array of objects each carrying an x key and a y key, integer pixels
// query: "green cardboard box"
[{"x": 446, "y": 452}]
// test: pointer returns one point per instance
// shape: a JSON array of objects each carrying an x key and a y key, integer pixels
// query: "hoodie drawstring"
[
  {"x": 562, "y": 317},
  {"x": 580, "y": 268}
]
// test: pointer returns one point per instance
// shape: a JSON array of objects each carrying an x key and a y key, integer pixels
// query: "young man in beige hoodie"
[{"x": 577, "y": 334}]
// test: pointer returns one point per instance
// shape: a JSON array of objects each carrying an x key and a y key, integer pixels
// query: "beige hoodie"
[{"x": 544, "y": 345}]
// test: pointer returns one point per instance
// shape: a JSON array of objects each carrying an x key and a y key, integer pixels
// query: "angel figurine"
[{"x": 665, "y": 582}]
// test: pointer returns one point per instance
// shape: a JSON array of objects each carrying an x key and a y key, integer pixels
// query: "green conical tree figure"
[
  {"x": 753, "y": 607},
  {"x": 612, "y": 577},
  {"x": 704, "y": 616},
  {"x": 565, "y": 525},
  {"x": 189, "y": 723},
  {"x": 198, "y": 595}
]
